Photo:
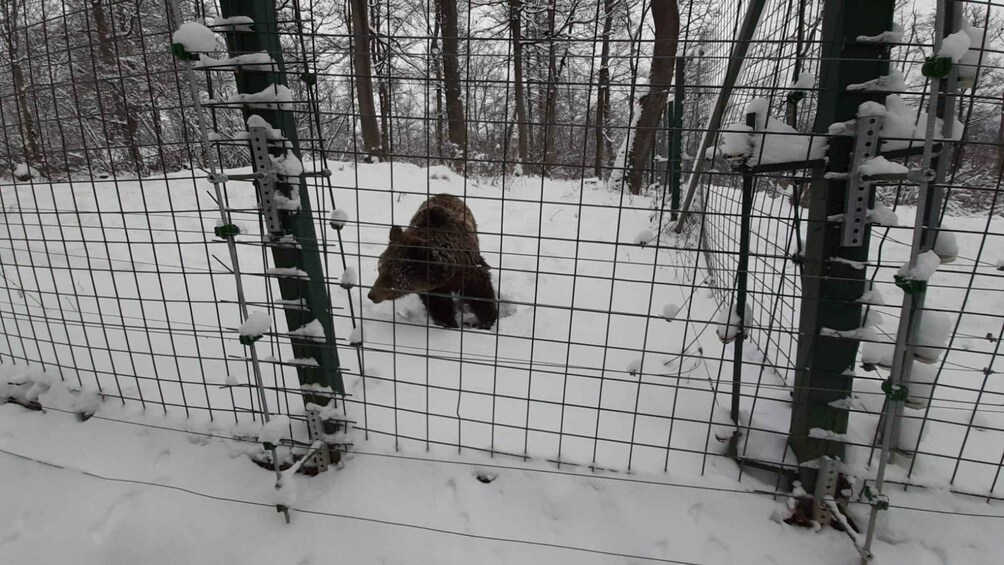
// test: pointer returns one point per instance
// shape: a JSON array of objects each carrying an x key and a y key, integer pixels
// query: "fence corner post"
[{"x": 825, "y": 362}]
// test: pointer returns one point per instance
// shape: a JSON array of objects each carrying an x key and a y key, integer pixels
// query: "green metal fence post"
[
  {"x": 742, "y": 284},
  {"x": 832, "y": 283},
  {"x": 676, "y": 138},
  {"x": 263, "y": 35}
]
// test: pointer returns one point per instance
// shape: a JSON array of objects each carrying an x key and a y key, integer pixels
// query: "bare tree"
[
  {"x": 550, "y": 67},
  {"x": 125, "y": 128},
  {"x": 550, "y": 94},
  {"x": 12, "y": 15},
  {"x": 666, "y": 17},
  {"x": 516, "y": 33},
  {"x": 361, "y": 35},
  {"x": 1000, "y": 141},
  {"x": 381, "y": 49},
  {"x": 603, "y": 90},
  {"x": 437, "y": 62},
  {"x": 456, "y": 121}
]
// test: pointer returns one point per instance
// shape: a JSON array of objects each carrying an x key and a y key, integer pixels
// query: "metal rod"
[
  {"x": 231, "y": 244},
  {"x": 676, "y": 136},
  {"x": 912, "y": 303},
  {"x": 742, "y": 283},
  {"x": 736, "y": 58}
]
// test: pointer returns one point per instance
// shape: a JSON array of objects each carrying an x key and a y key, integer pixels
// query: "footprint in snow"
[
  {"x": 119, "y": 509},
  {"x": 715, "y": 551}
]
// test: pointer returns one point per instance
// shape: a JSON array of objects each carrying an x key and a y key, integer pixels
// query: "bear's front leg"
[
  {"x": 479, "y": 294},
  {"x": 439, "y": 304}
]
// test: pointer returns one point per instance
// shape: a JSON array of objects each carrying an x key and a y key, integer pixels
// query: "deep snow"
[
  {"x": 105, "y": 492},
  {"x": 593, "y": 375}
]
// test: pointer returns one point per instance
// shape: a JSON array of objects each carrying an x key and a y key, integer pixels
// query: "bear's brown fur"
[{"x": 438, "y": 257}]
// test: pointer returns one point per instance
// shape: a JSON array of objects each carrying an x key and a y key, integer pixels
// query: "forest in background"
[{"x": 491, "y": 88}]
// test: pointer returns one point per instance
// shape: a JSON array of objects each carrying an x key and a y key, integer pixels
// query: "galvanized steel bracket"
[
  {"x": 866, "y": 140},
  {"x": 262, "y": 164}
]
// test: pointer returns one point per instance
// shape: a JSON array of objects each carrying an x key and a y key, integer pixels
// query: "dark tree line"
[
  {"x": 92, "y": 85},
  {"x": 555, "y": 88},
  {"x": 547, "y": 82},
  {"x": 540, "y": 87}
]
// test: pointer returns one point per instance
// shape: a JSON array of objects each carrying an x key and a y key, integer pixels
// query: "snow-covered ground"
[
  {"x": 582, "y": 368},
  {"x": 558, "y": 377},
  {"x": 106, "y": 492}
]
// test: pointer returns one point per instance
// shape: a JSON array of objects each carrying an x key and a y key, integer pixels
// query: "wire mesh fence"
[{"x": 607, "y": 351}]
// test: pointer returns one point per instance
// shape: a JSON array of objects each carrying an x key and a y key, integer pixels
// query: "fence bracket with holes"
[{"x": 866, "y": 142}]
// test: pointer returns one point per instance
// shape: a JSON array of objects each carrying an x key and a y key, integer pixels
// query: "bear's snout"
[{"x": 379, "y": 293}]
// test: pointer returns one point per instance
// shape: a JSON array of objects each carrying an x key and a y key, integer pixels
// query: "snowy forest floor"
[
  {"x": 94, "y": 502},
  {"x": 562, "y": 377}
]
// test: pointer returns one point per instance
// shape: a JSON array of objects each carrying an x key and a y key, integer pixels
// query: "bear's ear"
[{"x": 396, "y": 233}]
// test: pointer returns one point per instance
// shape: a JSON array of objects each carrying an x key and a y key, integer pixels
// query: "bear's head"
[{"x": 407, "y": 266}]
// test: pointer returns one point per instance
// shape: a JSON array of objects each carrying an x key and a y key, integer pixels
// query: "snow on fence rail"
[{"x": 605, "y": 353}]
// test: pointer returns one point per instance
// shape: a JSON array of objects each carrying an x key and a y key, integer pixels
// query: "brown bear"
[{"x": 438, "y": 257}]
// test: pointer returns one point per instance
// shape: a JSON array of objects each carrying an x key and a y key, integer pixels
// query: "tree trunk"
[
  {"x": 29, "y": 129},
  {"x": 603, "y": 90},
  {"x": 10, "y": 14},
  {"x": 364, "y": 79},
  {"x": 666, "y": 17},
  {"x": 516, "y": 32},
  {"x": 381, "y": 55},
  {"x": 437, "y": 62},
  {"x": 384, "y": 93},
  {"x": 549, "y": 101},
  {"x": 456, "y": 123},
  {"x": 1000, "y": 142},
  {"x": 531, "y": 78},
  {"x": 104, "y": 31},
  {"x": 552, "y": 105},
  {"x": 116, "y": 90}
]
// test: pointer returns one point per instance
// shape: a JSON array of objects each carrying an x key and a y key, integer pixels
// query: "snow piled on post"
[
  {"x": 730, "y": 326},
  {"x": 195, "y": 38},
  {"x": 955, "y": 46},
  {"x": 771, "y": 141},
  {"x": 882, "y": 215},
  {"x": 927, "y": 264},
  {"x": 969, "y": 63},
  {"x": 338, "y": 218},
  {"x": 946, "y": 247},
  {"x": 257, "y": 324},
  {"x": 275, "y": 430},
  {"x": 313, "y": 331},
  {"x": 805, "y": 82},
  {"x": 879, "y": 165},
  {"x": 933, "y": 331}
]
